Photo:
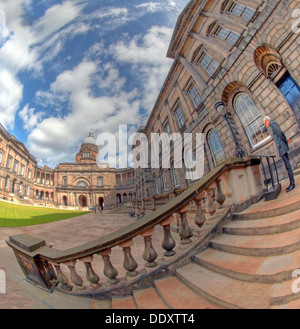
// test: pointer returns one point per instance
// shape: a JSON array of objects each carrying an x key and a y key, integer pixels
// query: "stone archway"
[{"x": 83, "y": 201}]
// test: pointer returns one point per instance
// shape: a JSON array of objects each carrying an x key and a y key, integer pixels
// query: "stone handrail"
[{"x": 233, "y": 182}]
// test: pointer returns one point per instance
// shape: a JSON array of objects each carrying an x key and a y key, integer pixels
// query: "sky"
[{"x": 67, "y": 67}]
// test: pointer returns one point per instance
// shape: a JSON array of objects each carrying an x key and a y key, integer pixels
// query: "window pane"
[
  {"x": 223, "y": 33},
  {"x": 238, "y": 9},
  {"x": 205, "y": 61},
  {"x": 250, "y": 118},
  {"x": 233, "y": 38},
  {"x": 216, "y": 147},
  {"x": 180, "y": 118},
  {"x": 195, "y": 95},
  {"x": 248, "y": 14}
]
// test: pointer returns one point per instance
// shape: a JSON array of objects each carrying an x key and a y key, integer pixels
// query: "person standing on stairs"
[{"x": 282, "y": 144}]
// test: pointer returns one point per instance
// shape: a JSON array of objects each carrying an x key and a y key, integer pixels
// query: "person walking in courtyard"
[{"x": 282, "y": 144}]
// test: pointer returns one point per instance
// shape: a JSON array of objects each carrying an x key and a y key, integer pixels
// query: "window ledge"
[{"x": 262, "y": 144}]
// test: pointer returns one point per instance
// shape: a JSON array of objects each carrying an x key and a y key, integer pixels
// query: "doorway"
[
  {"x": 291, "y": 92},
  {"x": 82, "y": 201},
  {"x": 101, "y": 203}
]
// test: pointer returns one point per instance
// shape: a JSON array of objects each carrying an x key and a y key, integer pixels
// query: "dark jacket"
[{"x": 279, "y": 138}]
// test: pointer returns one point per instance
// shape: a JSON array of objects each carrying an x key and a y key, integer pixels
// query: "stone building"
[
  {"x": 242, "y": 55},
  {"x": 79, "y": 185}
]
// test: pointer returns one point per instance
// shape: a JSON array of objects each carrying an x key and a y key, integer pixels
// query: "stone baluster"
[
  {"x": 220, "y": 195},
  {"x": 75, "y": 278},
  {"x": 228, "y": 190},
  {"x": 91, "y": 276},
  {"x": 150, "y": 255},
  {"x": 210, "y": 205},
  {"x": 50, "y": 274},
  {"x": 109, "y": 271},
  {"x": 185, "y": 232},
  {"x": 199, "y": 217},
  {"x": 168, "y": 241},
  {"x": 62, "y": 279},
  {"x": 129, "y": 263}
]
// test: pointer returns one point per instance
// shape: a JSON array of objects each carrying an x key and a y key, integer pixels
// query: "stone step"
[
  {"x": 273, "y": 225},
  {"x": 248, "y": 268},
  {"x": 226, "y": 292},
  {"x": 149, "y": 299},
  {"x": 178, "y": 296},
  {"x": 123, "y": 303},
  {"x": 270, "y": 209},
  {"x": 263, "y": 245},
  {"x": 295, "y": 305},
  {"x": 282, "y": 293}
]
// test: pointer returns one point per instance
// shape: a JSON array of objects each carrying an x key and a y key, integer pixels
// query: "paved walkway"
[{"x": 62, "y": 235}]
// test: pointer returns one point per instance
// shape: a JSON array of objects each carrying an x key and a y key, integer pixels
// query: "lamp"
[
  {"x": 221, "y": 108},
  {"x": 240, "y": 151}
]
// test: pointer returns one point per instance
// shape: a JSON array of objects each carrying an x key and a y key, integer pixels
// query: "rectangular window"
[
  {"x": 27, "y": 190},
  {"x": 22, "y": 170},
  {"x": 1, "y": 157},
  {"x": 100, "y": 182},
  {"x": 209, "y": 64},
  {"x": 242, "y": 11},
  {"x": 65, "y": 181},
  {"x": 16, "y": 166},
  {"x": 180, "y": 117},
  {"x": 227, "y": 35},
  {"x": 195, "y": 95},
  {"x": 29, "y": 174},
  {"x": 9, "y": 161}
]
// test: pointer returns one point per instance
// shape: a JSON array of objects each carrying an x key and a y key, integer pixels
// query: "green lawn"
[{"x": 12, "y": 215}]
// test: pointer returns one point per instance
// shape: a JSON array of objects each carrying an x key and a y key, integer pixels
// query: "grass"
[{"x": 13, "y": 215}]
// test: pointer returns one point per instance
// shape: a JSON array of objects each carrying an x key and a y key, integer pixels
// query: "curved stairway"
[{"x": 249, "y": 265}]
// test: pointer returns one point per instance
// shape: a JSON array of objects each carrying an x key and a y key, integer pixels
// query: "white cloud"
[
  {"x": 29, "y": 117},
  {"x": 55, "y": 18},
  {"x": 19, "y": 52},
  {"x": 147, "y": 55},
  {"x": 11, "y": 91},
  {"x": 60, "y": 137}
]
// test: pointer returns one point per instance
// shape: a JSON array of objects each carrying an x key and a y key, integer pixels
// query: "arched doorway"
[
  {"x": 82, "y": 201},
  {"x": 119, "y": 198},
  {"x": 101, "y": 203},
  {"x": 13, "y": 188},
  {"x": 65, "y": 201}
]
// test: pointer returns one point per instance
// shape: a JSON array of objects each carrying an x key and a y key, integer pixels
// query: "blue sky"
[{"x": 70, "y": 66}]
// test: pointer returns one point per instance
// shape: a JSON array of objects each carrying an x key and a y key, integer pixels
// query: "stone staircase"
[{"x": 248, "y": 266}]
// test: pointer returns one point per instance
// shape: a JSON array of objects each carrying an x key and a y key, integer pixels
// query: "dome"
[{"x": 91, "y": 139}]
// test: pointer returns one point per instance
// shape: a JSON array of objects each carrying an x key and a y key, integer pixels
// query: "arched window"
[
  {"x": 82, "y": 184},
  {"x": 216, "y": 147},
  {"x": 250, "y": 119}
]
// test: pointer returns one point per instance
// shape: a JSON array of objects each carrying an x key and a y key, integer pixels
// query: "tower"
[{"x": 88, "y": 151}]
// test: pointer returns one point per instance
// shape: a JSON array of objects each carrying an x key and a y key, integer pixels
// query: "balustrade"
[{"x": 210, "y": 195}]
